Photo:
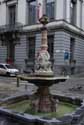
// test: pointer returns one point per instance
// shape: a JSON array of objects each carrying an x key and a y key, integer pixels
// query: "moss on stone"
[{"x": 25, "y": 107}]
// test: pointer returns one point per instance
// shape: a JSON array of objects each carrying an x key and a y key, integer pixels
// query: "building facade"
[{"x": 20, "y": 32}]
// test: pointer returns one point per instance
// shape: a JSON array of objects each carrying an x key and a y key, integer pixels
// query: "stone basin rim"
[
  {"x": 42, "y": 81},
  {"x": 32, "y": 77},
  {"x": 28, "y": 117}
]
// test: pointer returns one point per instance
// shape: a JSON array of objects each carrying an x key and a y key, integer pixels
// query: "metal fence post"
[{"x": 18, "y": 80}]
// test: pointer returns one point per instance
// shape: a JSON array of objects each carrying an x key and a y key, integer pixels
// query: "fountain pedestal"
[{"x": 44, "y": 102}]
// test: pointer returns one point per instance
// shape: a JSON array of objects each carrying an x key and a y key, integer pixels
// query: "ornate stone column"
[
  {"x": 43, "y": 64},
  {"x": 44, "y": 43}
]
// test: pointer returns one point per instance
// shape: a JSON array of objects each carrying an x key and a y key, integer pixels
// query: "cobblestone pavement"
[
  {"x": 8, "y": 87},
  {"x": 71, "y": 87}
]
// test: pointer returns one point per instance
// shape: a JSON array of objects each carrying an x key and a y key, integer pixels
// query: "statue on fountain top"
[{"x": 43, "y": 64}]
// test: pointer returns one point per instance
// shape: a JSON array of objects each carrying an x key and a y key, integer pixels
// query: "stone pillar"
[
  {"x": 44, "y": 38},
  {"x": 44, "y": 101},
  {"x": 43, "y": 64}
]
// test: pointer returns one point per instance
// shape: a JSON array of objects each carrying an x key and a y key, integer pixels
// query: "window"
[
  {"x": 81, "y": 12},
  {"x": 72, "y": 47},
  {"x": 73, "y": 11},
  {"x": 31, "y": 52},
  {"x": 2, "y": 67},
  {"x": 12, "y": 14},
  {"x": 50, "y": 9},
  {"x": 31, "y": 12},
  {"x": 10, "y": 51},
  {"x": 50, "y": 46}
]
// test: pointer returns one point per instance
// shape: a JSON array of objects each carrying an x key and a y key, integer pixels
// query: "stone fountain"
[{"x": 43, "y": 76}]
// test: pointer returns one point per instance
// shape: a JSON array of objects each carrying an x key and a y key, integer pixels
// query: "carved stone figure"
[{"x": 43, "y": 61}]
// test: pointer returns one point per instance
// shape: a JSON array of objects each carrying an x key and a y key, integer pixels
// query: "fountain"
[
  {"x": 43, "y": 76},
  {"x": 42, "y": 107}
]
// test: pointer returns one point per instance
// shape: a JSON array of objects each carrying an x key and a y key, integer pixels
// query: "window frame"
[
  {"x": 31, "y": 57},
  {"x": 73, "y": 12},
  {"x": 51, "y": 47},
  {"x": 2, "y": 67},
  {"x": 29, "y": 13},
  {"x": 14, "y": 12},
  {"x": 81, "y": 12},
  {"x": 72, "y": 48},
  {"x": 53, "y": 3}
]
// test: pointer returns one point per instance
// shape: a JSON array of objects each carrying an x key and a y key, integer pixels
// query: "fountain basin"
[
  {"x": 14, "y": 108},
  {"x": 43, "y": 101},
  {"x": 42, "y": 80},
  {"x": 26, "y": 104}
]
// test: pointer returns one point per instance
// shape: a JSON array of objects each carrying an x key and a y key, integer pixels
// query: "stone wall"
[
  {"x": 3, "y": 53},
  {"x": 21, "y": 53}
]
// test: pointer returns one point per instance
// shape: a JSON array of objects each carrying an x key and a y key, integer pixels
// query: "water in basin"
[{"x": 25, "y": 107}]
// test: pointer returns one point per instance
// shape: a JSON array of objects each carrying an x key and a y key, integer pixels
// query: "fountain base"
[
  {"x": 44, "y": 102},
  {"x": 70, "y": 110}
]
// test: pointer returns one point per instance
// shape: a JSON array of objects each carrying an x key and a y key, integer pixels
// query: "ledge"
[{"x": 59, "y": 24}]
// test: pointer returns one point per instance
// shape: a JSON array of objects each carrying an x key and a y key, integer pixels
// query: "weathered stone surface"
[{"x": 68, "y": 119}]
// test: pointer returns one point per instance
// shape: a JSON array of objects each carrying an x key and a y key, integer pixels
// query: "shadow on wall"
[
  {"x": 72, "y": 66},
  {"x": 29, "y": 66}
]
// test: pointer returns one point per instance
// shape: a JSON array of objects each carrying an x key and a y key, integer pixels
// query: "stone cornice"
[
  {"x": 10, "y": 1},
  {"x": 60, "y": 24}
]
